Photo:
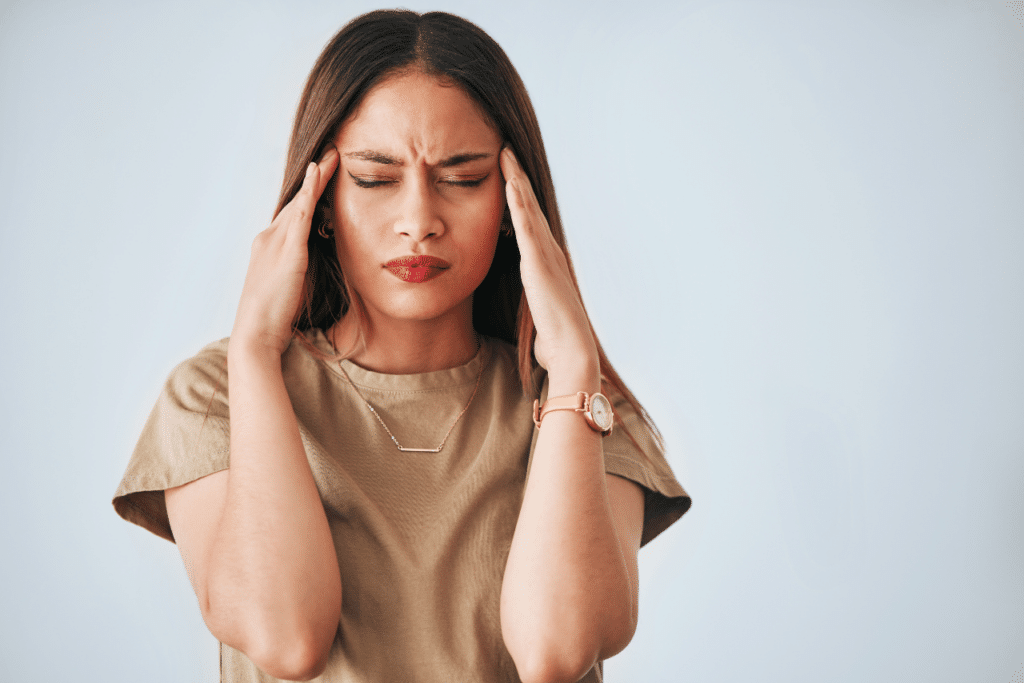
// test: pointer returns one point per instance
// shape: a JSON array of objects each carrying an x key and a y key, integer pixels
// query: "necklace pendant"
[{"x": 393, "y": 439}]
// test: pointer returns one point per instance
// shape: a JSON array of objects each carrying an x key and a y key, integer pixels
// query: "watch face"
[{"x": 601, "y": 410}]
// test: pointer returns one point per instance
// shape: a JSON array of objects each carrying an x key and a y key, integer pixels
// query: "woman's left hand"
[{"x": 565, "y": 342}]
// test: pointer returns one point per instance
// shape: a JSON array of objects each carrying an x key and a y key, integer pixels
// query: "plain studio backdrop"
[{"x": 799, "y": 229}]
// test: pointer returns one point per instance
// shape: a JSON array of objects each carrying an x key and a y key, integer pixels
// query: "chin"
[{"x": 419, "y": 308}]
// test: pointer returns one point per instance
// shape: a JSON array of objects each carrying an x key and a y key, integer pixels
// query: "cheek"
[
  {"x": 480, "y": 259},
  {"x": 491, "y": 208},
  {"x": 351, "y": 229},
  {"x": 485, "y": 238}
]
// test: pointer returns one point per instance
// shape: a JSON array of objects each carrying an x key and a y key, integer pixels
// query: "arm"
[
  {"x": 569, "y": 593},
  {"x": 255, "y": 538},
  {"x": 569, "y": 596}
]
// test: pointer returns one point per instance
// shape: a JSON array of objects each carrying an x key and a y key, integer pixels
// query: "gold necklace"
[{"x": 415, "y": 450}]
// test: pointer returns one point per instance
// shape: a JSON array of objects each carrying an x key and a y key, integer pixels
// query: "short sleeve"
[
  {"x": 185, "y": 438},
  {"x": 632, "y": 451}
]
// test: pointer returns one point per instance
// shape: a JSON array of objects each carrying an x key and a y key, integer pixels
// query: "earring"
[
  {"x": 506, "y": 228},
  {"x": 324, "y": 229}
]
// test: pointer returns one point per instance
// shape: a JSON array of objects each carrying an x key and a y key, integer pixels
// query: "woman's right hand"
[{"x": 275, "y": 281}]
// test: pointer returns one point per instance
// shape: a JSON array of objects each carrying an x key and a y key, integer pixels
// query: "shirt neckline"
[{"x": 422, "y": 381}]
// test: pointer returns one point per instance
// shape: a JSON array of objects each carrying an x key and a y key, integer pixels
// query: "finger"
[
  {"x": 318, "y": 175},
  {"x": 505, "y": 161},
  {"x": 515, "y": 170},
  {"x": 510, "y": 169},
  {"x": 521, "y": 221},
  {"x": 305, "y": 199},
  {"x": 525, "y": 190},
  {"x": 539, "y": 255},
  {"x": 327, "y": 166},
  {"x": 532, "y": 229},
  {"x": 514, "y": 180},
  {"x": 523, "y": 205}
]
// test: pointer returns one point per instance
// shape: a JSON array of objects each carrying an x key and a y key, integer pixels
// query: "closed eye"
[
  {"x": 475, "y": 182},
  {"x": 363, "y": 182},
  {"x": 451, "y": 182}
]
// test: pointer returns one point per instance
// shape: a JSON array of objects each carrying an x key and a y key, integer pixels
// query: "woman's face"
[{"x": 418, "y": 199}]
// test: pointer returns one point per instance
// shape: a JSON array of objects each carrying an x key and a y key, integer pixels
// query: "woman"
[{"x": 398, "y": 506}]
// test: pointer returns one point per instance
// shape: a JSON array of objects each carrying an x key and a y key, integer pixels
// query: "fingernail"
[{"x": 309, "y": 169}]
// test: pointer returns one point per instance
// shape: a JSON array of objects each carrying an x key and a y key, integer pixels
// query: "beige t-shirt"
[{"x": 422, "y": 538}]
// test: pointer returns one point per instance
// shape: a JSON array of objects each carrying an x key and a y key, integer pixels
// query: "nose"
[{"x": 419, "y": 218}]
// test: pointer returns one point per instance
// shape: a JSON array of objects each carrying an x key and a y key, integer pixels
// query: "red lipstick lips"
[{"x": 417, "y": 268}]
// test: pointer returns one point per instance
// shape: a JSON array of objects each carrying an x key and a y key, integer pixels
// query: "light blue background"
[{"x": 799, "y": 228}]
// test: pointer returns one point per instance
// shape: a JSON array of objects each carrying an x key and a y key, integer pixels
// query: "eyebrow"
[{"x": 388, "y": 160}]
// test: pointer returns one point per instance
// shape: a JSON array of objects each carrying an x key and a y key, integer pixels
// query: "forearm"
[
  {"x": 273, "y": 579},
  {"x": 567, "y": 598}
]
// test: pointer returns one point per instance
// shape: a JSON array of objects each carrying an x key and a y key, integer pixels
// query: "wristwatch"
[{"x": 596, "y": 409}]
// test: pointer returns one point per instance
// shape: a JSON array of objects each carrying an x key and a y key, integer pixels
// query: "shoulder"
[
  {"x": 185, "y": 438},
  {"x": 198, "y": 380},
  {"x": 635, "y": 451},
  {"x": 210, "y": 362},
  {"x": 204, "y": 376}
]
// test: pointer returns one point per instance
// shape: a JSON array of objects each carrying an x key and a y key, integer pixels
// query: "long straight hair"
[{"x": 364, "y": 53}]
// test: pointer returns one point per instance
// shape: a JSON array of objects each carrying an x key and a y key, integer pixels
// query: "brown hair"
[{"x": 364, "y": 53}]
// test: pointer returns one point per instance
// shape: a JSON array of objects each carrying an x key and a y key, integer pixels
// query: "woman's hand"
[
  {"x": 565, "y": 343},
  {"x": 568, "y": 591},
  {"x": 275, "y": 281}
]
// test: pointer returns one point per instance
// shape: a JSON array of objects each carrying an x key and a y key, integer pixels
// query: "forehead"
[{"x": 419, "y": 116}]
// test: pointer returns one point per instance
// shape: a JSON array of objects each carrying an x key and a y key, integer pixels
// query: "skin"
[
  {"x": 255, "y": 538},
  {"x": 432, "y": 159}
]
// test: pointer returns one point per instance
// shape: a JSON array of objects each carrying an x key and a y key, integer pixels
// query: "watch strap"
[
  {"x": 579, "y": 402},
  {"x": 576, "y": 402}
]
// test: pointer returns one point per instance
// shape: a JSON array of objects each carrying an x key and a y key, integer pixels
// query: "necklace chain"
[{"x": 400, "y": 446}]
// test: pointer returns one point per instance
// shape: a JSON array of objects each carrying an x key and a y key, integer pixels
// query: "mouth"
[{"x": 417, "y": 268}]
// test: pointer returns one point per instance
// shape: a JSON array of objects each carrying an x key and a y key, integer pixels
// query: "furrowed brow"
[
  {"x": 388, "y": 160},
  {"x": 460, "y": 159},
  {"x": 376, "y": 157}
]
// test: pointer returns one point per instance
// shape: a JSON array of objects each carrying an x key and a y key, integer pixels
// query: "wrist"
[
  {"x": 584, "y": 375},
  {"x": 246, "y": 353}
]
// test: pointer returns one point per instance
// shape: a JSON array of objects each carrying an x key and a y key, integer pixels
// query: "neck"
[{"x": 402, "y": 347}]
